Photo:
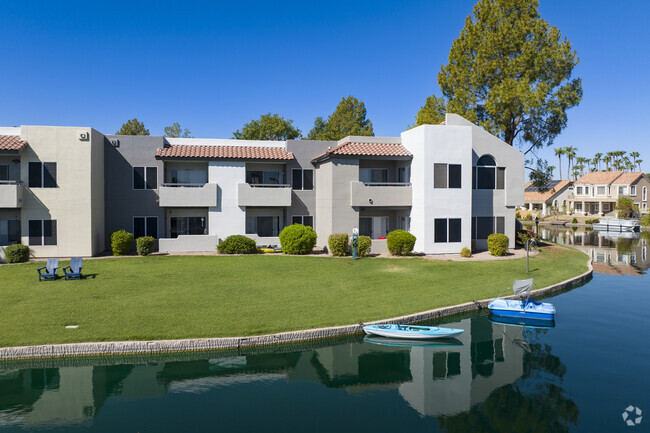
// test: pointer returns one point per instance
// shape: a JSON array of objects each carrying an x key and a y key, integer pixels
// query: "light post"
[
  {"x": 536, "y": 225},
  {"x": 355, "y": 243}
]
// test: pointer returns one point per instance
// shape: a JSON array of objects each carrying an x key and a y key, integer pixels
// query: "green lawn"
[{"x": 161, "y": 297}]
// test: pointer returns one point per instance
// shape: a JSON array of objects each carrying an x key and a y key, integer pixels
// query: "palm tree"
[
  {"x": 581, "y": 164},
  {"x": 559, "y": 152},
  {"x": 639, "y": 161},
  {"x": 576, "y": 172},
  {"x": 570, "y": 152},
  {"x": 608, "y": 158},
  {"x": 635, "y": 155},
  {"x": 597, "y": 158}
]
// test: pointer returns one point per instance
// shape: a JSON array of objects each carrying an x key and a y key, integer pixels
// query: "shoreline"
[{"x": 153, "y": 347}]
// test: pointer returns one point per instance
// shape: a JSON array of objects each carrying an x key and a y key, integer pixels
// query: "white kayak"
[{"x": 411, "y": 332}]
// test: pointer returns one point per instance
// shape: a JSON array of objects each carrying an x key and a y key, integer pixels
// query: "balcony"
[
  {"x": 380, "y": 194},
  {"x": 264, "y": 195},
  {"x": 11, "y": 194},
  {"x": 188, "y": 195}
]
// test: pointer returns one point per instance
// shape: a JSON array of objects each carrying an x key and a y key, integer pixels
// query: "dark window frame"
[
  {"x": 145, "y": 222},
  {"x": 303, "y": 182},
  {"x": 42, "y": 232},
  {"x": 302, "y": 220},
  {"x": 41, "y": 174},
  {"x": 440, "y": 230},
  {"x": 144, "y": 178}
]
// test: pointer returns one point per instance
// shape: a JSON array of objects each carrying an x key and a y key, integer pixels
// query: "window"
[
  {"x": 257, "y": 177},
  {"x": 373, "y": 175},
  {"x": 600, "y": 190},
  {"x": 145, "y": 226},
  {"x": 42, "y": 175},
  {"x": 586, "y": 190},
  {"x": 373, "y": 227},
  {"x": 446, "y": 176},
  {"x": 440, "y": 175},
  {"x": 263, "y": 226},
  {"x": 486, "y": 172},
  {"x": 402, "y": 175},
  {"x": 42, "y": 232},
  {"x": 484, "y": 227},
  {"x": 447, "y": 230},
  {"x": 186, "y": 226},
  {"x": 605, "y": 207},
  {"x": 145, "y": 177},
  {"x": 188, "y": 176},
  {"x": 501, "y": 177},
  {"x": 578, "y": 190},
  {"x": 404, "y": 222},
  {"x": 303, "y": 179},
  {"x": 645, "y": 193},
  {"x": 632, "y": 189},
  {"x": 578, "y": 207},
  {"x": 9, "y": 232},
  {"x": 500, "y": 225},
  {"x": 622, "y": 190},
  {"x": 306, "y": 220}
]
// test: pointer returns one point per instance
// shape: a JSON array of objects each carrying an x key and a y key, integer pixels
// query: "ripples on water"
[{"x": 576, "y": 376}]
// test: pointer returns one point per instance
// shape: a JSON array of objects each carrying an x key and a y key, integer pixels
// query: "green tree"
[
  {"x": 349, "y": 118},
  {"x": 570, "y": 153},
  {"x": 433, "y": 112},
  {"x": 268, "y": 127},
  {"x": 175, "y": 131},
  {"x": 133, "y": 127},
  {"x": 559, "y": 152},
  {"x": 597, "y": 158},
  {"x": 625, "y": 207}
]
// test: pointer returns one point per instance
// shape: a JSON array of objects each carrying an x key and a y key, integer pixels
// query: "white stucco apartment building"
[{"x": 63, "y": 190}]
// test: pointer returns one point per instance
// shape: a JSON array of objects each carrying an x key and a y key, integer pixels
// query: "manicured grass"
[{"x": 169, "y": 297}]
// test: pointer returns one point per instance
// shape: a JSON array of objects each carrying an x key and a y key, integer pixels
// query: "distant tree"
[
  {"x": 542, "y": 175},
  {"x": 625, "y": 207},
  {"x": 597, "y": 158},
  {"x": 349, "y": 118},
  {"x": 133, "y": 127},
  {"x": 559, "y": 152},
  {"x": 570, "y": 153},
  {"x": 635, "y": 156},
  {"x": 175, "y": 131},
  {"x": 639, "y": 161},
  {"x": 433, "y": 112},
  {"x": 268, "y": 127},
  {"x": 607, "y": 159}
]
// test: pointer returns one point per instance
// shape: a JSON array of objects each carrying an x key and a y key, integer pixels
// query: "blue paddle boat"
[
  {"x": 526, "y": 308},
  {"x": 411, "y": 332},
  {"x": 522, "y": 322}
]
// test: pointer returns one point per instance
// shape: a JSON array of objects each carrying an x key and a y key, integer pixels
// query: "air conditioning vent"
[
  {"x": 115, "y": 143},
  {"x": 83, "y": 136}
]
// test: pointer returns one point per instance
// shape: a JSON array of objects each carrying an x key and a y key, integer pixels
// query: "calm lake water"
[{"x": 579, "y": 375}]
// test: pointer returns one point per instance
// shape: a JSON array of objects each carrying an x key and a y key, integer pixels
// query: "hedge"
[
  {"x": 363, "y": 248},
  {"x": 465, "y": 252},
  {"x": 16, "y": 253},
  {"x": 144, "y": 245},
  {"x": 297, "y": 239},
  {"x": 338, "y": 244},
  {"x": 237, "y": 244},
  {"x": 121, "y": 242},
  {"x": 498, "y": 244},
  {"x": 400, "y": 242}
]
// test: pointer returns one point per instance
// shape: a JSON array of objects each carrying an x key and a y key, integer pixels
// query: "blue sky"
[{"x": 213, "y": 66}]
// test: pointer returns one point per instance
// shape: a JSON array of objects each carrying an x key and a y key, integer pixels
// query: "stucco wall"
[{"x": 227, "y": 218}]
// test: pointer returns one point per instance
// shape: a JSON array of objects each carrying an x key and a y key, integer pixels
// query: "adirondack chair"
[
  {"x": 74, "y": 270},
  {"x": 50, "y": 270}
]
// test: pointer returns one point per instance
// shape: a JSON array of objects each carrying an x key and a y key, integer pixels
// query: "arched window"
[
  {"x": 488, "y": 175},
  {"x": 645, "y": 193}
]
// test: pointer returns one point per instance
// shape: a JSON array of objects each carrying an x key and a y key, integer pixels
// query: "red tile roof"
[
  {"x": 628, "y": 178},
  {"x": 532, "y": 193},
  {"x": 367, "y": 149},
  {"x": 599, "y": 177},
  {"x": 223, "y": 152},
  {"x": 11, "y": 142}
]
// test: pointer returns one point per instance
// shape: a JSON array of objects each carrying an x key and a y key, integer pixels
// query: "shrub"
[
  {"x": 237, "y": 244},
  {"x": 645, "y": 220},
  {"x": 297, "y": 239},
  {"x": 338, "y": 244},
  {"x": 625, "y": 207},
  {"x": 498, "y": 244},
  {"x": 144, "y": 245},
  {"x": 121, "y": 242},
  {"x": 400, "y": 242},
  {"x": 364, "y": 246},
  {"x": 593, "y": 221},
  {"x": 16, "y": 253},
  {"x": 529, "y": 217},
  {"x": 574, "y": 221},
  {"x": 465, "y": 252},
  {"x": 517, "y": 215}
]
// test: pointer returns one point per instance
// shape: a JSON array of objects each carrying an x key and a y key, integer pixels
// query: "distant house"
[
  {"x": 555, "y": 194},
  {"x": 596, "y": 193}
]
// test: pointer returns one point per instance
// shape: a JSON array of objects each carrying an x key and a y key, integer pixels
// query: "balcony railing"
[
  {"x": 264, "y": 194},
  {"x": 385, "y": 194},
  {"x": 188, "y": 195},
  {"x": 11, "y": 194}
]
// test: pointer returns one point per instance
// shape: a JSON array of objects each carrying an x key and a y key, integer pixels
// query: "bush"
[
  {"x": 338, "y": 244},
  {"x": 144, "y": 245},
  {"x": 465, "y": 252},
  {"x": 16, "y": 253},
  {"x": 121, "y": 242},
  {"x": 364, "y": 246},
  {"x": 237, "y": 244},
  {"x": 645, "y": 220},
  {"x": 297, "y": 239},
  {"x": 498, "y": 244},
  {"x": 529, "y": 217},
  {"x": 517, "y": 215},
  {"x": 625, "y": 207},
  {"x": 574, "y": 221},
  {"x": 400, "y": 242},
  {"x": 593, "y": 221}
]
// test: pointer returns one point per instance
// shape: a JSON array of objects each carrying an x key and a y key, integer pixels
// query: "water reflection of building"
[
  {"x": 432, "y": 380},
  {"x": 611, "y": 253}
]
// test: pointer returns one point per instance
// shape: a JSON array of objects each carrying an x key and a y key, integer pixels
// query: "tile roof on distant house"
[
  {"x": 532, "y": 193},
  {"x": 599, "y": 177},
  {"x": 11, "y": 142},
  {"x": 366, "y": 149},
  {"x": 224, "y": 152},
  {"x": 628, "y": 178}
]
